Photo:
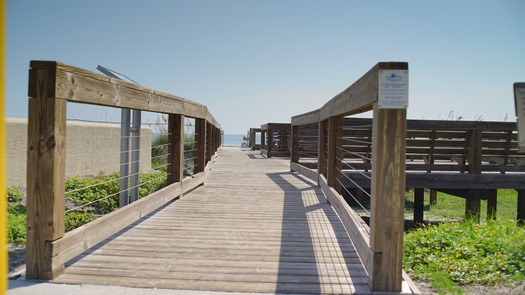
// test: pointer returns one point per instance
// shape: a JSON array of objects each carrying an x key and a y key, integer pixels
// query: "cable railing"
[
  {"x": 79, "y": 170},
  {"x": 371, "y": 157}
]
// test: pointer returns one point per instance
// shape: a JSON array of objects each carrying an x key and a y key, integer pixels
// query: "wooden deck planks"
[{"x": 253, "y": 227}]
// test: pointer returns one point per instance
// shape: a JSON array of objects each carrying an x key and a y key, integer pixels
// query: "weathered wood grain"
[
  {"x": 79, "y": 240},
  {"x": 357, "y": 98},
  {"x": 46, "y": 157},
  {"x": 388, "y": 198},
  {"x": 78, "y": 85},
  {"x": 254, "y": 226}
]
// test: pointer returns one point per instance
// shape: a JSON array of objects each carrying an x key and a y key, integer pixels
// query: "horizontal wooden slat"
[{"x": 448, "y": 180}]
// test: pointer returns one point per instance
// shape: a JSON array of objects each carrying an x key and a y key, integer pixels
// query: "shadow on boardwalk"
[{"x": 314, "y": 236}]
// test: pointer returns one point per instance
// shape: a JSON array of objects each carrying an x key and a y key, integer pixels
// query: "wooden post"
[
  {"x": 331, "y": 167},
  {"x": 200, "y": 145},
  {"x": 419, "y": 205},
  {"x": 46, "y": 157},
  {"x": 433, "y": 197},
  {"x": 388, "y": 199},
  {"x": 473, "y": 201},
  {"x": 295, "y": 145},
  {"x": 269, "y": 144},
  {"x": 218, "y": 139},
  {"x": 492, "y": 204},
  {"x": 251, "y": 142},
  {"x": 321, "y": 147},
  {"x": 521, "y": 207},
  {"x": 209, "y": 142},
  {"x": 263, "y": 141},
  {"x": 176, "y": 148}
]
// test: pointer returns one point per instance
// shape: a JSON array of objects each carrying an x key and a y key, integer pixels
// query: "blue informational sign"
[{"x": 393, "y": 89}]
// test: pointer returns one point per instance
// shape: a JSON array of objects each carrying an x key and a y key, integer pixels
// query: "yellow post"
[{"x": 3, "y": 209}]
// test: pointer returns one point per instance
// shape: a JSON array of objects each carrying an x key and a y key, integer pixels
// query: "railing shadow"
[
  {"x": 256, "y": 157},
  {"x": 314, "y": 238},
  {"x": 115, "y": 235}
]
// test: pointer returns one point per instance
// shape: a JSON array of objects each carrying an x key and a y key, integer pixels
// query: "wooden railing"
[
  {"x": 469, "y": 159},
  {"x": 275, "y": 139},
  {"x": 380, "y": 247},
  {"x": 51, "y": 86}
]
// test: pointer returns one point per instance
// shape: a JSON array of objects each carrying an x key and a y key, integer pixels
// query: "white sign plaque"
[
  {"x": 519, "y": 100},
  {"x": 393, "y": 89}
]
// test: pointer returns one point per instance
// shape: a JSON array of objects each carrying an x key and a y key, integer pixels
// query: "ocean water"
[
  {"x": 233, "y": 140},
  {"x": 236, "y": 139}
]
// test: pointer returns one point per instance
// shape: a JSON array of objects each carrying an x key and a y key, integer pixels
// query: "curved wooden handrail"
[{"x": 357, "y": 98}]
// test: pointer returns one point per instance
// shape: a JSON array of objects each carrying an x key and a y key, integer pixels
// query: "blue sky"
[{"x": 253, "y": 62}]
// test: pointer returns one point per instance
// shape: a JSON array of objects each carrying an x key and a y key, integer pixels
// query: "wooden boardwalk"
[{"x": 253, "y": 227}]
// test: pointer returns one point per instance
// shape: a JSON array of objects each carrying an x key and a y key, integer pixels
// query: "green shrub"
[
  {"x": 102, "y": 192},
  {"x": 16, "y": 223},
  {"x": 159, "y": 152},
  {"x": 467, "y": 253},
  {"x": 14, "y": 194},
  {"x": 74, "y": 219},
  {"x": 151, "y": 182}
]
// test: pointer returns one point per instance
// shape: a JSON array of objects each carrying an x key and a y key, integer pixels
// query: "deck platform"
[{"x": 253, "y": 227}]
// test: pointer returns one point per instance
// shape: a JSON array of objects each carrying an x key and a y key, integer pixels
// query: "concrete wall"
[{"x": 91, "y": 148}]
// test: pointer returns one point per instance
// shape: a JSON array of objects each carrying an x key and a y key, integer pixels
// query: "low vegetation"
[
  {"x": 86, "y": 198},
  {"x": 451, "y": 254}
]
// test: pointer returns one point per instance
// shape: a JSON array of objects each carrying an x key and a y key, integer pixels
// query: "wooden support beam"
[
  {"x": 492, "y": 204},
  {"x": 219, "y": 138},
  {"x": 521, "y": 207},
  {"x": 46, "y": 158},
  {"x": 295, "y": 145},
  {"x": 209, "y": 142},
  {"x": 269, "y": 145},
  {"x": 388, "y": 198},
  {"x": 321, "y": 147},
  {"x": 433, "y": 197},
  {"x": 473, "y": 202},
  {"x": 419, "y": 205},
  {"x": 331, "y": 170},
  {"x": 263, "y": 142},
  {"x": 200, "y": 145},
  {"x": 176, "y": 148}
]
